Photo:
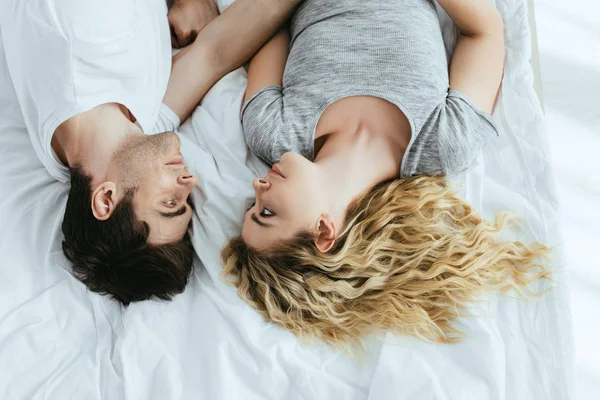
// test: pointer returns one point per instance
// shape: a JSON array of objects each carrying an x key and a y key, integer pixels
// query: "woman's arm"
[
  {"x": 225, "y": 44},
  {"x": 268, "y": 65},
  {"x": 477, "y": 63}
]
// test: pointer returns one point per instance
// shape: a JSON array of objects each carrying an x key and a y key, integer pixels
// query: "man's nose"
[
  {"x": 260, "y": 185},
  {"x": 187, "y": 180}
]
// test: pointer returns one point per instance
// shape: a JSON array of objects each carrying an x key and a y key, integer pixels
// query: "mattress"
[{"x": 59, "y": 341}]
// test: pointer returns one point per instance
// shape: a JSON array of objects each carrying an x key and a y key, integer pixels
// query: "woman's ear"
[
  {"x": 103, "y": 201},
  {"x": 326, "y": 233}
]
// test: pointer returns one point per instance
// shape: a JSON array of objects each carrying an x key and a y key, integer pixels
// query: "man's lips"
[{"x": 176, "y": 160}]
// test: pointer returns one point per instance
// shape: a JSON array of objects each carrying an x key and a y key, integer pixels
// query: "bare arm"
[
  {"x": 268, "y": 65},
  {"x": 222, "y": 46},
  {"x": 477, "y": 64}
]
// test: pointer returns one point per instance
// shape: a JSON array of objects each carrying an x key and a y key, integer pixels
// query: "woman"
[{"x": 367, "y": 236}]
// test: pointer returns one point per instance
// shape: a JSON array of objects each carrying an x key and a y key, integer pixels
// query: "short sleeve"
[
  {"x": 67, "y": 57},
  {"x": 262, "y": 120},
  {"x": 166, "y": 121},
  {"x": 450, "y": 139},
  {"x": 39, "y": 62}
]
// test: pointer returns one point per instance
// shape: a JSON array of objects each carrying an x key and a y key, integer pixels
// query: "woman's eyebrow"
[{"x": 259, "y": 222}]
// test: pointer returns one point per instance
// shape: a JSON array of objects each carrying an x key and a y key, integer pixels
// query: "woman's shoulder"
[{"x": 450, "y": 139}]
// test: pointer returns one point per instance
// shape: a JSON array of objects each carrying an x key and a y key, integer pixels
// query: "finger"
[
  {"x": 174, "y": 40},
  {"x": 172, "y": 23},
  {"x": 215, "y": 9},
  {"x": 192, "y": 36},
  {"x": 174, "y": 43},
  {"x": 183, "y": 38}
]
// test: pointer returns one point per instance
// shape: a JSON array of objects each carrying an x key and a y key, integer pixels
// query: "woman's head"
[
  {"x": 292, "y": 198},
  {"x": 409, "y": 256}
]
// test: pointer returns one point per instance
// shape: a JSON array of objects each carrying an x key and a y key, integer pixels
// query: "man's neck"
[{"x": 89, "y": 139}]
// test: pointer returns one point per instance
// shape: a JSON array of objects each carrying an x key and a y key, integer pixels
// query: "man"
[{"x": 94, "y": 79}]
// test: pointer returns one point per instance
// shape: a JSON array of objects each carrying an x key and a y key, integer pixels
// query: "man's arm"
[
  {"x": 223, "y": 45},
  {"x": 478, "y": 60}
]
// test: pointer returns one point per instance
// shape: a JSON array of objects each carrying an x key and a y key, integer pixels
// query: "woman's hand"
[{"x": 188, "y": 17}]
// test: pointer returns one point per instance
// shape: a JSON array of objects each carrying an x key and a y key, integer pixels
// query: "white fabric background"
[{"x": 569, "y": 44}]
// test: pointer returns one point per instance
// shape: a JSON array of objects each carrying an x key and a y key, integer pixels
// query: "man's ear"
[
  {"x": 326, "y": 233},
  {"x": 103, "y": 201}
]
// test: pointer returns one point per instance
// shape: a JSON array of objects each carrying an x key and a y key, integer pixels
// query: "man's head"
[{"x": 126, "y": 233}]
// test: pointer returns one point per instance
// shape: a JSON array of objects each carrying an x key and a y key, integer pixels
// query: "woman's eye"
[
  {"x": 248, "y": 209},
  {"x": 171, "y": 203},
  {"x": 266, "y": 213}
]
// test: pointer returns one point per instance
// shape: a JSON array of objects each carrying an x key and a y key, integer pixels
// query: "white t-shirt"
[{"x": 66, "y": 57}]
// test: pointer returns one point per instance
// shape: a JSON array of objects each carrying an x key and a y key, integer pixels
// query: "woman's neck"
[
  {"x": 360, "y": 142},
  {"x": 353, "y": 162},
  {"x": 89, "y": 139}
]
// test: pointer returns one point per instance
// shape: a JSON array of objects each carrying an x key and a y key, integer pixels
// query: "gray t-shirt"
[{"x": 389, "y": 49}]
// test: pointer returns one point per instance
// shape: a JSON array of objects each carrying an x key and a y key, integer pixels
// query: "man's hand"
[
  {"x": 187, "y": 18},
  {"x": 223, "y": 45}
]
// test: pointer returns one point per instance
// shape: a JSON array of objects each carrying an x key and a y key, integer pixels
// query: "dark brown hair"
[{"x": 113, "y": 256}]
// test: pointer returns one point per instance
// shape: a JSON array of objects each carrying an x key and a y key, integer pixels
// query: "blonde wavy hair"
[{"x": 410, "y": 259}]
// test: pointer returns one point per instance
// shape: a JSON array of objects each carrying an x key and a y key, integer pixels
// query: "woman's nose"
[
  {"x": 187, "y": 180},
  {"x": 260, "y": 185}
]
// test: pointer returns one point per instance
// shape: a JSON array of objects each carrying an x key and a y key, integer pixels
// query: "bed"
[{"x": 59, "y": 341}]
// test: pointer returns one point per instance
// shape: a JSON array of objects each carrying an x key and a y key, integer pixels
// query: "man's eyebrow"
[
  {"x": 255, "y": 219},
  {"x": 175, "y": 213}
]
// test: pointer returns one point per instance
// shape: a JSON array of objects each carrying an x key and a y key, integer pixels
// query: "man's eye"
[
  {"x": 266, "y": 213},
  {"x": 171, "y": 203}
]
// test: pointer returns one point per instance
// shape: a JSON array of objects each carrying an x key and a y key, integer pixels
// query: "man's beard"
[{"x": 139, "y": 156}]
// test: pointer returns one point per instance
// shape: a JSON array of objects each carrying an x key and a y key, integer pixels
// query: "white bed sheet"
[{"x": 59, "y": 341}]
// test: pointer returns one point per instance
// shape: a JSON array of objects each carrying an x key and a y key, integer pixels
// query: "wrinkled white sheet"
[{"x": 58, "y": 341}]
